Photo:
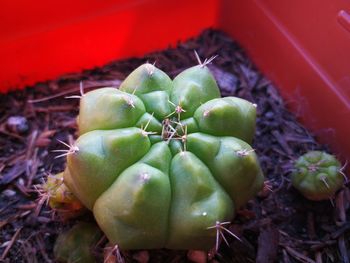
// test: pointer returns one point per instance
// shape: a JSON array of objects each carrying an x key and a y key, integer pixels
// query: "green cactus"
[
  {"x": 75, "y": 245},
  {"x": 318, "y": 175},
  {"x": 163, "y": 163}
]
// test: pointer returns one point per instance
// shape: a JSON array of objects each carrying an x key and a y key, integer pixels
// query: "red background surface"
[{"x": 303, "y": 46}]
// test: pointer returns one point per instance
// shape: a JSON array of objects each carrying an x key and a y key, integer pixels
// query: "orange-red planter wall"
[
  {"x": 41, "y": 40},
  {"x": 304, "y": 47}
]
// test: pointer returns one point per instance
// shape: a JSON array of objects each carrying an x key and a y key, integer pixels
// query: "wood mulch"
[{"x": 278, "y": 226}]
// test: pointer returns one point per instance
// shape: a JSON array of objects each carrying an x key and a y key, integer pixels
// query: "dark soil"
[{"x": 278, "y": 226}]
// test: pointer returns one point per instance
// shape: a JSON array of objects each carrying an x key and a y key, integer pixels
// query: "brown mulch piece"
[{"x": 278, "y": 226}]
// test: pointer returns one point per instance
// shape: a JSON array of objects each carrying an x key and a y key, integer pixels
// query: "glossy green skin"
[
  {"x": 75, "y": 245},
  {"x": 153, "y": 190},
  {"x": 317, "y": 175}
]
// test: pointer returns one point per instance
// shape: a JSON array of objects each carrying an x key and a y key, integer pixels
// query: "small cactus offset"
[
  {"x": 55, "y": 193},
  {"x": 162, "y": 163},
  {"x": 59, "y": 196},
  {"x": 318, "y": 175},
  {"x": 76, "y": 245}
]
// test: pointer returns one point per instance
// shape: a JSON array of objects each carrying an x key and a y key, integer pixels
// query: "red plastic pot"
[{"x": 303, "y": 46}]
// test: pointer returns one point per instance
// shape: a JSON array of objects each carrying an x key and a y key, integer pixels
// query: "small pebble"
[
  {"x": 141, "y": 256},
  {"x": 21, "y": 181},
  {"x": 17, "y": 124},
  {"x": 8, "y": 193},
  {"x": 269, "y": 115},
  {"x": 197, "y": 256}
]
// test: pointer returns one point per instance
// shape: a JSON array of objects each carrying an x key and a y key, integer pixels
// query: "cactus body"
[
  {"x": 317, "y": 175},
  {"x": 160, "y": 162}
]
